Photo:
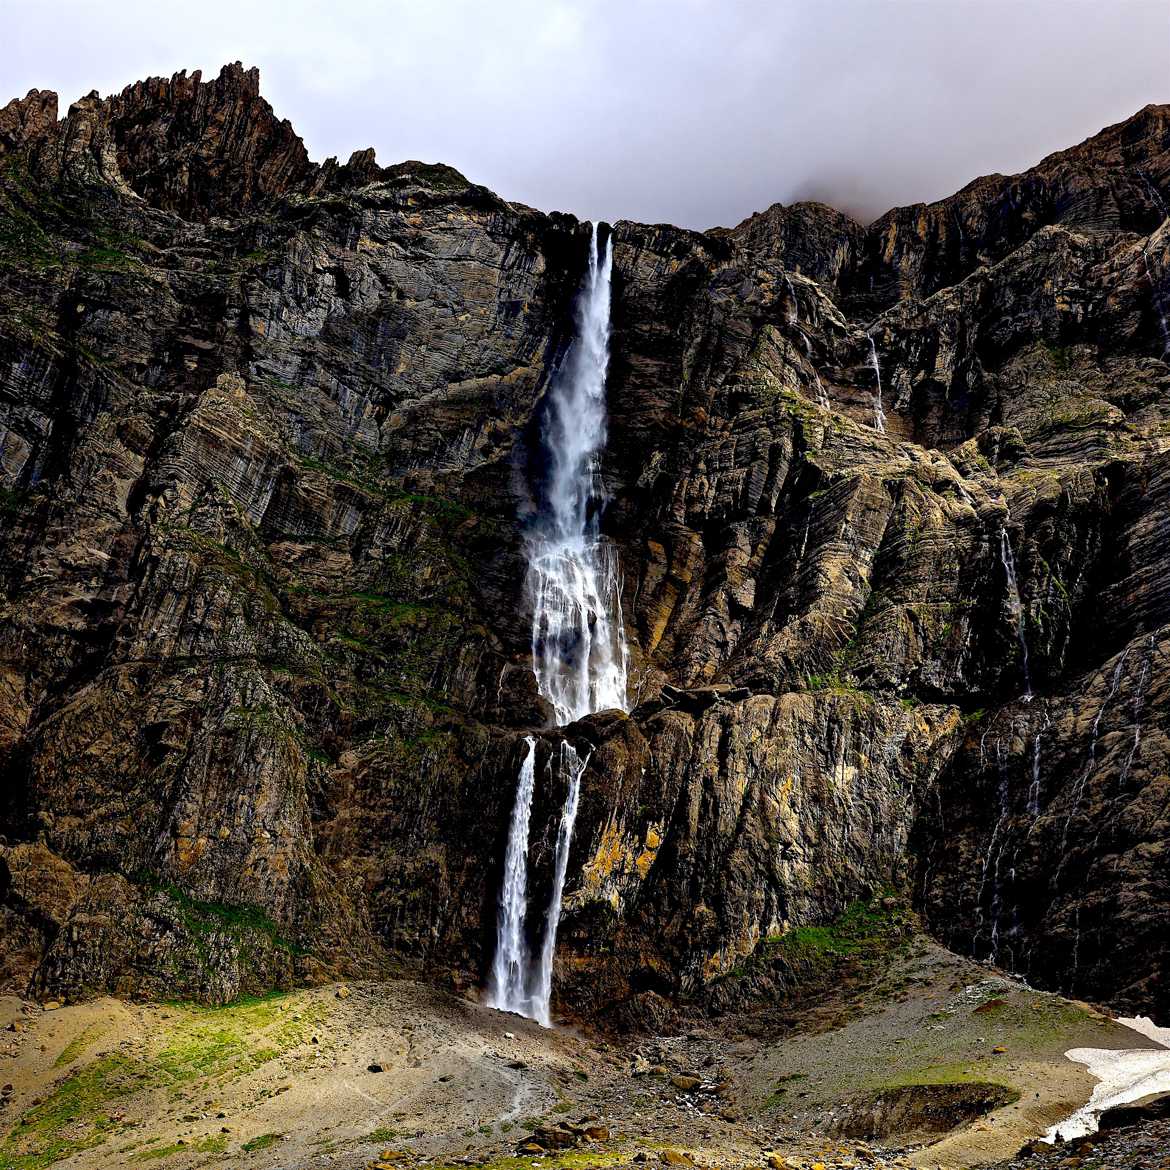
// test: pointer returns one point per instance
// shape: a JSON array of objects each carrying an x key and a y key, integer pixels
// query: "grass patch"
[
  {"x": 854, "y": 944},
  {"x": 262, "y": 1142},
  {"x": 204, "y": 1043},
  {"x": 202, "y": 919},
  {"x": 207, "y": 1145},
  {"x": 77, "y": 1045},
  {"x": 75, "y": 1116},
  {"x": 228, "y": 1042},
  {"x": 865, "y": 927},
  {"x": 953, "y": 1073},
  {"x": 780, "y": 1089}
]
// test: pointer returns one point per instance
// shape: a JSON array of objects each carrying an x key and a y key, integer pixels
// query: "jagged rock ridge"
[{"x": 265, "y": 440}]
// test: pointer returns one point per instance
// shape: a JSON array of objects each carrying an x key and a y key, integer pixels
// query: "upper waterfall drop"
[{"x": 579, "y": 649}]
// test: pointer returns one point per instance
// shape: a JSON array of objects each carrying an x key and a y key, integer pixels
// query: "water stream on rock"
[
  {"x": 1158, "y": 305},
  {"x": 507, "y": 985},
  {"x": 579, "y": 653},
  {"x": 879, "y": 415},
  {"x": 571, "y": 765},
  {"x": 1015, "y": 605}
]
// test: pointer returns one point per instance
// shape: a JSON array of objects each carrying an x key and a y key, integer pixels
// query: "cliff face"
[{"x": 266, "y": 432}]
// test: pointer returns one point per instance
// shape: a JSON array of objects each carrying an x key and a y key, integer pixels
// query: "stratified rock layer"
[{"x": 266, "y": 441}]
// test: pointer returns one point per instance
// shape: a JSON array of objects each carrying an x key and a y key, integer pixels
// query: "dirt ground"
[{"x": 400, "y": 1074}]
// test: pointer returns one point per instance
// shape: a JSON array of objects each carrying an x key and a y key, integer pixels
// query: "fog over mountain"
[{"x": 691, "y": 112}]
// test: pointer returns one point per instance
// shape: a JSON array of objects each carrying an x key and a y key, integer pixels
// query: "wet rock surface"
[{"x": 266, "y": 455}]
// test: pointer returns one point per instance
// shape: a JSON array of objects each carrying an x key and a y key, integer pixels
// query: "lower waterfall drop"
[
  {"x": 508, "y": 986},
  {"x": 571, "y": 765}
]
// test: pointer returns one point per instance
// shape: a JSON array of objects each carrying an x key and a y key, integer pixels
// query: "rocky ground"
[
  {"x": 396, "y": 1073},
  {"x": 1139, "y": 1147}
]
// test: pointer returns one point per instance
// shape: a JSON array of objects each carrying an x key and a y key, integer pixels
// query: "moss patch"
[
  {"x": 262, "y": 1142},
  {"x": 213, "y": 1044},
  {"x": 75, "y": 1116},
  {"x": 207, "y": 1145},
  {"x": 867, "y": 929}
]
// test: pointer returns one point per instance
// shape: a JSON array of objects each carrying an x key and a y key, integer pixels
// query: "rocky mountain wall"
[{"x": 266, "y": 451}]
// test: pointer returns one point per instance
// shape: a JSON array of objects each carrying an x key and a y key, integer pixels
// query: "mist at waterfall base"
[{"x": 579, "y": 653}]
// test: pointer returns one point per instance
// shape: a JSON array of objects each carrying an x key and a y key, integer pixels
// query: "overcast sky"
[{"x": 695, "y": 112}]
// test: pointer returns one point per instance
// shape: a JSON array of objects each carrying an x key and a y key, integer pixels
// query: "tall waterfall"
[{"x": 579, "y": 653}]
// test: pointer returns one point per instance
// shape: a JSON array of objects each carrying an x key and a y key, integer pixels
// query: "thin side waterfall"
[
  {"x": 579, "y": 652},
  {"x": 1161, "y": 309},
  {"x": 1078, "y": 788},
  {"x": 879, "y": 415},
  {"x": 508, "y": 985},
  {"x": 1015, "y": 605},
  {"x": 1034, "y": 789},
  {"x": 571, "y": 765}
]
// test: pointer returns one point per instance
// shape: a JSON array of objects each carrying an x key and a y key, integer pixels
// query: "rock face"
[{"x": 266, "y": 441}]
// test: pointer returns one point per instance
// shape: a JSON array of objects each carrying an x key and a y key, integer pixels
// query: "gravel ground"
[
  {"x": 345, "y": 1077},
  {"x": 1142, "y": 1147}
]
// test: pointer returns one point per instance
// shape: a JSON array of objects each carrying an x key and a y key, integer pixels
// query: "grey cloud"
[{"x": 695, "y": 112}]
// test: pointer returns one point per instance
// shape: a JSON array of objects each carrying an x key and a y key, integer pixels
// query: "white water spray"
[
  {"x": 579, "y": 653},
  {"x": 1034, "y": 789},
  {"x": 879, "y": 415},
  {"x": 578, "y": 649},
  {"x": 1158, "y": 305}
]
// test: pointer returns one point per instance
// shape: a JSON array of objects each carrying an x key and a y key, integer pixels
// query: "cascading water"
[
  {"x": 1015, "y": 606},
  {"x": 579, "y": 653},
  {"x": 879, "y": 415},
  {"x": 508, "y": 985},
  {"x": 578, "y": 648},
  {"x": 571, "y": 765},
  {"x": 1034, "y": 788}
]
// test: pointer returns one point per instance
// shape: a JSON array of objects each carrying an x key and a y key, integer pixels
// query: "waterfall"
[
  {"x": 1015, "y": 605},
  {"x": 571, "y": 765},
  {"x": 578, "y": 648},
  {"x": 507, "y": 988},
  {"x": 579, "y": 653},
  {"x": 879, "y": 415}
]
